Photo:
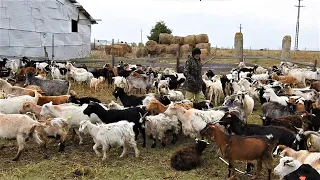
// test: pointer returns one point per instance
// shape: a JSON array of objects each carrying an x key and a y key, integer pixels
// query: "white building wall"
[{"x": 27, "y": 26}]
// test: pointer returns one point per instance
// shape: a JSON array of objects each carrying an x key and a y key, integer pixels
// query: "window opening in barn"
[{"x": 74, "y": 25}]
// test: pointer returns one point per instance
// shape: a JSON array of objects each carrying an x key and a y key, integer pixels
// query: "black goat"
[
  {"x": 283, "y": 135},
  {"x": 127, "y": 100},
  {"x": 3, "y": 63},
  {"x": 204, "y": 105},
  {"x": 210, "y": 74},
  {"x": 83, "y": 100},
  {"x": 111, "y": 116},
  {"x": 174, "y": 83}
]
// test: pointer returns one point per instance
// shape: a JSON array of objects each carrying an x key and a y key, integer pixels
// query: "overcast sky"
[{"x": 264, "y": 22}]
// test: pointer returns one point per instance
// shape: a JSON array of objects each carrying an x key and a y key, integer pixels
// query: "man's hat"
[{"x": 196, "y": 51}]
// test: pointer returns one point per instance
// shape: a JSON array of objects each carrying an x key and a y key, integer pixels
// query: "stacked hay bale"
[
  {"x": 169, "y": 45},
  {"x": 118, "y": 49}
]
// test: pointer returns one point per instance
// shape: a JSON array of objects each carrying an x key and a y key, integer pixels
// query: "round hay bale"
[
  {"x": 185, "y": 49},
  {"x": 190, "y": 39},
  {"x": 141, "y": 52},
  {"x": 118, "y": 50},
  {"x": 161, "y": 48},
  {"x": 172, "y": 49},
  {"x": 165, "y": 38},
  {"x": 126, "y": 48},
  {"x": 202, "y": 38},
  {"x": 151, "y": 46},
  {"x": 204, "y": 53},
  {"x": 286, "y": 46},
  {"x": 177, "y": 40}
]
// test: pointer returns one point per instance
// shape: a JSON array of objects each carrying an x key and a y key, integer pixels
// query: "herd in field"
[{"x": 37, "y": 104}]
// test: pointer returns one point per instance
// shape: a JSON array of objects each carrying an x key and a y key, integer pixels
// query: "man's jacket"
[{"x": 193, "y": 73}]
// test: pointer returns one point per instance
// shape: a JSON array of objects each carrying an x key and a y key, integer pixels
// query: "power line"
[{"x": 296, "y": 41}]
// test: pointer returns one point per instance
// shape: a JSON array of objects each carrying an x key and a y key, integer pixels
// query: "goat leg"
[
  {"x": 153, "y": 142},
  {"x": 162, "y": 143},
  {"x": 174, "y": 138},
  {"x": 250, "y": 167}
]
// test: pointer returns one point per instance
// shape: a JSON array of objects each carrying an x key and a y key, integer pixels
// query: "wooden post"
[
  {"x": 112, "y": 53},
  {"x": 52, "y": 47},
  {"x": 94, "y": 44},
  {"x": 178, "y": 59},
  {"x": 315, "y": 65}
]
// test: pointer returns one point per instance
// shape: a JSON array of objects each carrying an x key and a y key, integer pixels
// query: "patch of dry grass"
[{"x": 152, "y": 164}]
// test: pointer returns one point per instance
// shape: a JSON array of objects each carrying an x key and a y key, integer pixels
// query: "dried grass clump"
[
  {"x": 202, "y": 38},
  {"x": 190, "y": 39},
  {"x": 165, "y": 38}
]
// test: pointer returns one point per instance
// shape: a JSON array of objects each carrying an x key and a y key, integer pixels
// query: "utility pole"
[
  {"x": 296, "y": 41},
  {"x": 141, "y": 35},
  {"x": 240, "y": 27}
]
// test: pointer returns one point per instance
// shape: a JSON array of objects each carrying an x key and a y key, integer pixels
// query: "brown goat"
[
  {"x": 316, "y": 86},
  {"x": 135, "y": 74},
  {"x": 24, "y": 71},
  {"x": 156, "y": 107},
  {"x": 291, "y": 121},
  {"x": 33, "y": 108},
  {"x": 56, "y": 100},
  {"x": 285, "y": 79},
  {"x": 14, "y": 90},
  {"x": 234, "y": 147}
]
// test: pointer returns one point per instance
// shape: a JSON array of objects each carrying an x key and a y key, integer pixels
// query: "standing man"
[{"x": 193, "y": 73}]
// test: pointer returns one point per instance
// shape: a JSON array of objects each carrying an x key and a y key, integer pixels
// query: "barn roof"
[{"x": 82, "y": 10}]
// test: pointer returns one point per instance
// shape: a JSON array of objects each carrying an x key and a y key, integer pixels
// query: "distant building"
[{"x": 27, "y": 26}]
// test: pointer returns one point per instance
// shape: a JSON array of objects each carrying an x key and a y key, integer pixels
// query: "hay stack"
[
  {"x": 190, "y": 39},
  {"x": 204, "y": 53},
  {"x": 202, "y": 38},
  {"x": 161, "y": 48},
  {"x": 126, "y": 48},
  {"x": 177, "y": 40},
  {"x": 204, "y": 46},
  {"x": 165, "y": 38},
  {"x": 151, "y": 46},
  {"x": 185, "y": 49},
  {"x": 118, "y": 50},
  {"x": 172, "y": 49},
  {"x": 141, "y": 52}
]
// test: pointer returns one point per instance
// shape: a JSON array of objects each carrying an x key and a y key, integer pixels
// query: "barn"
[{"x": 36, "y": 28}]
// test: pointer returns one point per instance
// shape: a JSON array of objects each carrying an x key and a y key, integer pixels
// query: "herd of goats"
[{"x": 37, "y": 104}]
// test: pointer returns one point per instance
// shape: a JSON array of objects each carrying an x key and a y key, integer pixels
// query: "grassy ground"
[{"x": 152, "y": 164}]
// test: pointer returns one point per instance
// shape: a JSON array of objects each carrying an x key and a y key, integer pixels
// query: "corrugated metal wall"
[{"x": 26, "y": 26}]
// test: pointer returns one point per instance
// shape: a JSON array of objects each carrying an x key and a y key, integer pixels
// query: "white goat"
[
  {"x": 20, "y": 127},
  {"x": 118, "y": 133},
  {"x": 81, "y": 76},
  {"x": 156, "y": 127},
  {"x": 286, "y": 166},
  {"x": 215, "y": 90},
  {"x": 41, "y": 65},
  {"x": 114, "y": 105},
  {"x": 175, "y": 95},
  {"x": 74, "y": 112},
  {"x": 120, "y": 81},
  {"x": 55, "y": 73},
  {"x": 271, "y": 95},
  {"x": 72, "y": 68},
  {"x": 14, "y": 104},
  {"x": 95, "y": 82},
  {"x": 193, "y": 120}
]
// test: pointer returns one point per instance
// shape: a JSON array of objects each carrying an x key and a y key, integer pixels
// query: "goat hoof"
[
  {"x": 45, "y": 156},
  {"x": 153, "y": 146},
  {"x": 15, "y": 159},
  {"x": 163, "y": 144}
]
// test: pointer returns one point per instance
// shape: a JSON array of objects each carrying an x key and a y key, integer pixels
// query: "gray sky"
[{"x": 265, "y": 22}]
